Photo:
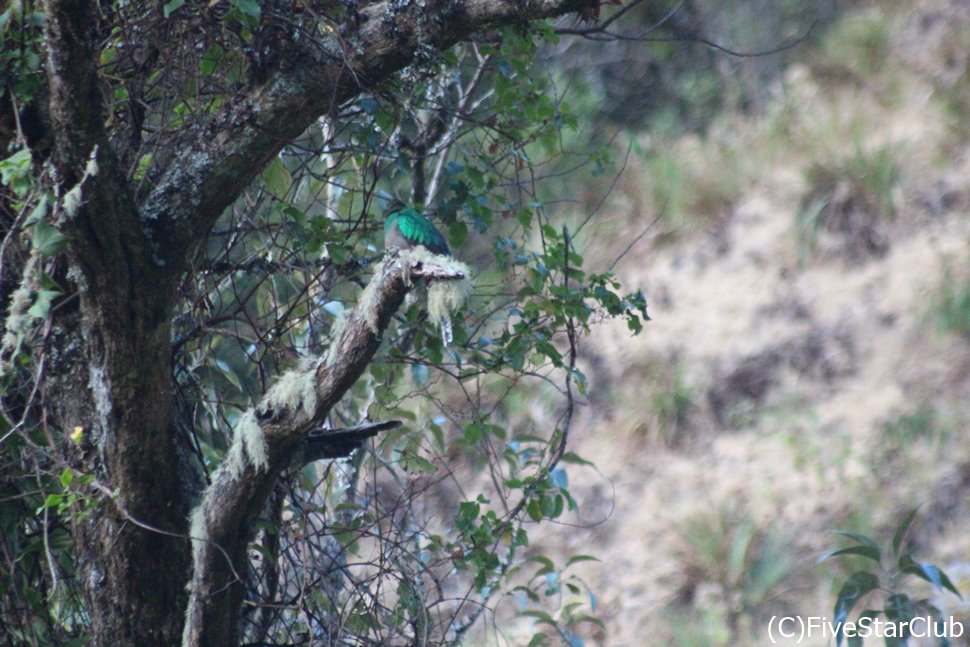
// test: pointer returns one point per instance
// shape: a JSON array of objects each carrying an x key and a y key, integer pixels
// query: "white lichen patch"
[
  {"x": 370, "y": 299},
  {"x": 198, "y": 531},
  {"x": 101, "y": 393},
  {"x": 421, "y": 255},
  {"x": 75, "y": 197},
  {"x": 445, "y": 297},
  {"x": 19, "y": 319},
  {"x": 335, "y": 333},
  {"x": 248, "y": 446},
  {"x": 17, "y": 322},
  {"x": 199, "y": 534},
  {"x": 91, "y": 169},
  {"x": 295, "y": 392},
  {"x": 73, "y": 200},
  {"x": 449, "y": 293}
]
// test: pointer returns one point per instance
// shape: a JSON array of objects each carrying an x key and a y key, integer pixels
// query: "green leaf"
[
  {"x": 227, "y": 372},
  {"x": 538, "y": 640},
  {"x": 52, "y": 501},
  {"x": 42, "y": 303},
  {"x": 48, "y": 240},
  {"x": 210, "y": 59},
  {"x": 858, "y": 585},
  {"x": 899, "y": 608},
  {"x": 929, "y": 572},
  {"x": 249, "y": 7},
  {"x": 559, "y": 504},
  {"x": 901, "y": 530},
  {"x": 541, "y": 616},
  {"x": 575, "y": 559},
  {"x": 467, "y": 515},
  {"x": 573, "y": 457},
  {"x": 171, "y": 6},
  {"x": 414, "y": 462},
  {"x": 862, "y": 539},
  {"x": 277, "y": 178},
  {"x": 15, "y": 166},
  {"x": 39, "y": 212},
  {"x": 865, "y": 551},
  {"x": 458, "y": 233},
  {"x": 144, "y": 162}
]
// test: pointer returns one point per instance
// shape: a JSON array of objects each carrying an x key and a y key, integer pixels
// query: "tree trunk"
[
  {"x": 110, "y": 373},
  {"x": 108, "y": 365}
]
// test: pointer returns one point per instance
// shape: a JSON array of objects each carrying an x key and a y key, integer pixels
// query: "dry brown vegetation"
[{"x": 808, "y": 363}]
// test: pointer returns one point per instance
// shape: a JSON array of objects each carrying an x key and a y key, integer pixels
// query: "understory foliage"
[
  {"x": 883, "y": 581},
  {"x": 425, "y": 529}
]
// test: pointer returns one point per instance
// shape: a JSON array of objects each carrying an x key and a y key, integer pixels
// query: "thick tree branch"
[
  {"x": 323, "y": 444},
  {"x": 217, "y": 161},
  {"x": 96, "y": 207},
  {"x": 268, "y": 439},
  {"x": 72, "y": 74}
]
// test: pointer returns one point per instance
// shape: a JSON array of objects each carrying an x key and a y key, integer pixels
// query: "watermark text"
[{"x": 788, "y": 629}]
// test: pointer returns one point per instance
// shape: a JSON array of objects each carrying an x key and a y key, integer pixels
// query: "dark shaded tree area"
[{"x": 198, "y": 316}]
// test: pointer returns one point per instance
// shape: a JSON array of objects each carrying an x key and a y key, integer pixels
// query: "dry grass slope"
[{"x": 805, "y": 370}]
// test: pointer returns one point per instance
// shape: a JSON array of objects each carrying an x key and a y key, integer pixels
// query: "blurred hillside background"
[{"x": 804, "y": 251}]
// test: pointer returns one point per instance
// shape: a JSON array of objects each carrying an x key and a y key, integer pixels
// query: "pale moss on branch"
[
  {"x": 248, "y": 446},
  {"x": 445, "y": 297},
  {"x": 295, "y": 392}
]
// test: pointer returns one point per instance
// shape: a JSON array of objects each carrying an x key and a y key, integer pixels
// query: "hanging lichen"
[{"x": 444, "y": 298}]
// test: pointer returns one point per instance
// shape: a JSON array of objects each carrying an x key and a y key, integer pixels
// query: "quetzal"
[{"x": 406, "y": 228}]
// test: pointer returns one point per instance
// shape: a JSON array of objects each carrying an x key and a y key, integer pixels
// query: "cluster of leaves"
[
  {"x": 578, "y": 602},
  {"x": 20, "y": 54},
  {"x": 893, "y": 568},
  {"x": 40, "y": 498},
  {"x": 43, "y": 604}
]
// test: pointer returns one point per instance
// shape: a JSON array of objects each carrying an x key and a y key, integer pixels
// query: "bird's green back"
[{"x": 417, "y": 230}]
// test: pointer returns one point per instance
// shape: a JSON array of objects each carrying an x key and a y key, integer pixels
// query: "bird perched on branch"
[{"x": 406, "y": 228}]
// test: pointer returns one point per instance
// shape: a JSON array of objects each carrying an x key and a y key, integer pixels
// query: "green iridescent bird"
[{"x": 406, "y": 228}]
